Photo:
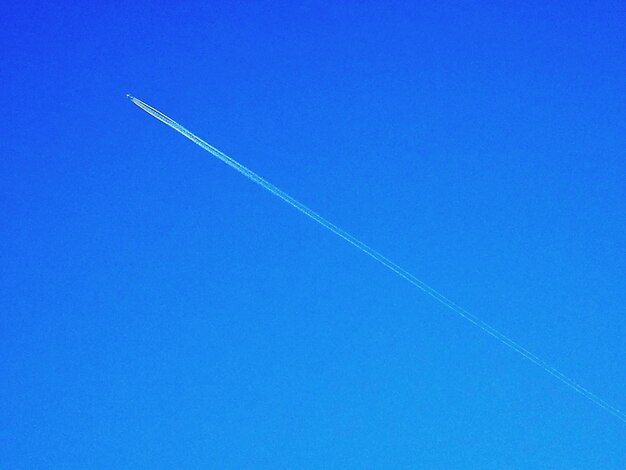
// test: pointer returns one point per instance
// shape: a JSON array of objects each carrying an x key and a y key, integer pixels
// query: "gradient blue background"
[{"x": 158, "y": 310}]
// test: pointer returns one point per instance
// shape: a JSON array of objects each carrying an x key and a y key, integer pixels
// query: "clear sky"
[{"x": 158, "y": 310}]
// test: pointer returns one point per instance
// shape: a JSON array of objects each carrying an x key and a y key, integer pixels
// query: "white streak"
[{"x": 501, "y": 337}]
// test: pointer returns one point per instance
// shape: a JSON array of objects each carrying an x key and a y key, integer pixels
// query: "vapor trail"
[{"x": 501, "y": 337}]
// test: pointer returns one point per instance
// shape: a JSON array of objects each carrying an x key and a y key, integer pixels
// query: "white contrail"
[{"x": 382, "y": 260}]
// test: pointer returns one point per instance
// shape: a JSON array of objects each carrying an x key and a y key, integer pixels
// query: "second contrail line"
[{"x": 403, "y": 273}]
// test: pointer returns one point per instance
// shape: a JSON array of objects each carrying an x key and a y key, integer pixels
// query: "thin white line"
[{"x": 501, "y": 337}]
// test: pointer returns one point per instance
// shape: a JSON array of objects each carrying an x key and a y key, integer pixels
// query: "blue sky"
[{"x": 158, "y": 310}]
